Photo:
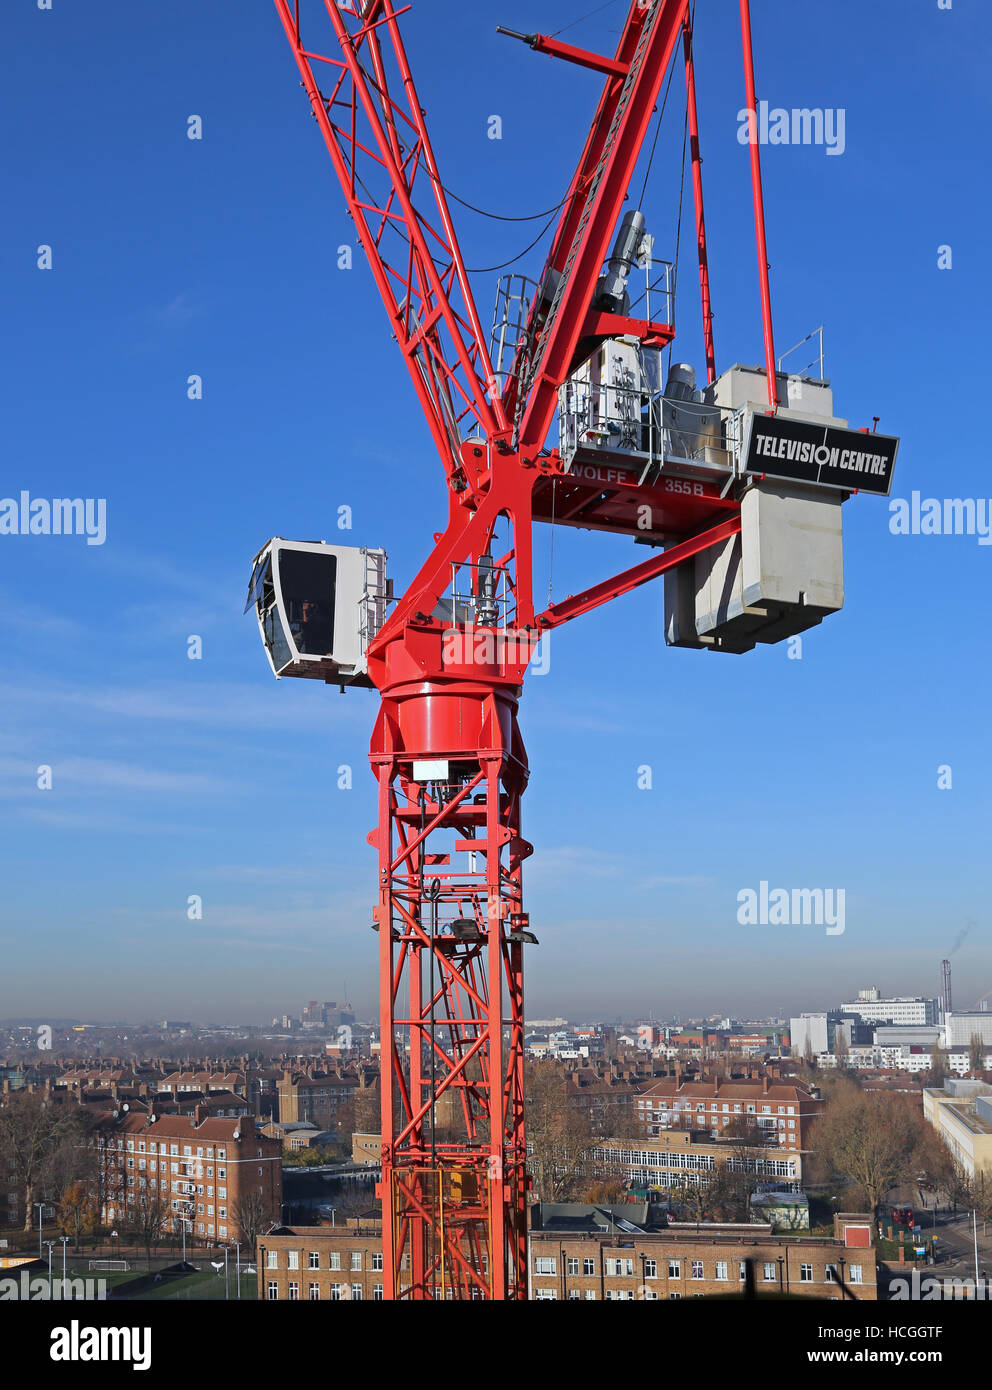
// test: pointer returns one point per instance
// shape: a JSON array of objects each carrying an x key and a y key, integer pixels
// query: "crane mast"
[{"x": 449, "y": 660}]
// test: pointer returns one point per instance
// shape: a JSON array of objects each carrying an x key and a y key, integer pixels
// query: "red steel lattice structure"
[{"x": 446, "y": 752}]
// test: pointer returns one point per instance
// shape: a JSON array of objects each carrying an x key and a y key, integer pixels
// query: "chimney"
[{"x": 764, "y": 1084}]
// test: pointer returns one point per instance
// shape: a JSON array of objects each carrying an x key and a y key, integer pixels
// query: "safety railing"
[{"x": 648, "y": 426}]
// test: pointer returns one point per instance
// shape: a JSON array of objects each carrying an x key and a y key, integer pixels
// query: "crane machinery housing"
[{"x": 737, "y": 484}]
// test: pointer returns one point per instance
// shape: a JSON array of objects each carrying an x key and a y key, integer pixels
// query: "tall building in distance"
[{"x": 904, "y": 1011}]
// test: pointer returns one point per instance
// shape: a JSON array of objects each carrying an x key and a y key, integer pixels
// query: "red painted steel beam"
[
  {"x": 759, "y": 204},
  {"x": 599, "y": 191},
  {"x": 368, "y": 130},
  {"x": 599, "y": 594},
  {"x": 554, "y": 48},
  {"x": 697, "y": 197}
]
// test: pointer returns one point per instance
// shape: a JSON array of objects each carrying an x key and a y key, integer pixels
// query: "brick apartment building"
[
  {"x": 784, "y": 1109},
  {"x": 314, "y": 1097},
  {"x": 321, "y": 1263},
  {"x": 344, "y": 1263},
  {"x": 197, "y": 1166}
]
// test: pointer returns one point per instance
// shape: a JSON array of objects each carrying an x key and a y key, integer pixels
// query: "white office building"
[{"x": 903, "y": 1012}]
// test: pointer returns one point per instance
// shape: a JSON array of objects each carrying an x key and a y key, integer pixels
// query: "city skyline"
[{"x": 174, "y": 780}]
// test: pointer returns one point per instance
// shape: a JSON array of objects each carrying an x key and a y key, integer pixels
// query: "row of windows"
[
  {"x": 702, "y": 1106},
  {"x": 173, "y": 1149},
  {"x": 645, "y": 1158},
  {"x": 622, "y": 1267},
  {"x": 334, "y": 1259},
  {"x": 338, "y": 1292}
]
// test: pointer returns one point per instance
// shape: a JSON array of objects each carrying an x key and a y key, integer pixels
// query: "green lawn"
[{"x": 202, "y": 1286}]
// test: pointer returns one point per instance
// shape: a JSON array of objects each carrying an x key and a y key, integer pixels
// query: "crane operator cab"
[{"x": 318, "y": 607}]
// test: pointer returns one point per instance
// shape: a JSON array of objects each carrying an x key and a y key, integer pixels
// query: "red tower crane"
[{"x": 449, "y": 661}]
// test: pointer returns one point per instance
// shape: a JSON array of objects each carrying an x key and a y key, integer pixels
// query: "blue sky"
[{"x": 218, "y": 257}]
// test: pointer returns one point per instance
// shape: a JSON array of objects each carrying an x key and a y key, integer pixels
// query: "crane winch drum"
[{"x": 318, "y": 607}]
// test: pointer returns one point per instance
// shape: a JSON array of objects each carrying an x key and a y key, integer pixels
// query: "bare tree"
[
  {"x": 35, "y": 1135},
  {"x": 871, "y": 1140},
  {"x": 559, "y": 1135},
  {"x": 250, "y": 1216},
  {"x": 938, "y": 1066},
  {"x": 147, "y": 1224}
]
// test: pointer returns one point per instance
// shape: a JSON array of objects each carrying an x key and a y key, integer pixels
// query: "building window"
[
  {"x": 650, "y": 1269},
  {"x": 743, "y": 1271},
  {"x": 272, "y": 1290},
  {"x": 356, "y": 1259},
  {"x": 336, "y": 1293},
  {"x": 334, "y": 1260},
  {"x": 377, "y": 1260},
  {"x": 272, "y": 1259},
  {"x": 315, "y": 1259},
  {"x": 314, "y": 1293},
  {"x": 377, "y": 1293},
  {"x": 589, "y": 1266},
  {"x": 573, "y": 1265},
  {"x": 768, "y": 1272},
  {"x": 857, "y": 1274},
  {"x": 674, "y": 1269},
  {"x": 545, "y": 1264},
  {"x": 806, "y": 1274},
  {"x": 356, "y": 1293},
  {"x": 294, "y": 1259},
  {"x": 294, "y": 1291},
  {"x": 674, "y": 1295},
  {"x": 617, "y": 1269},
  {"x": 697, "y": 1269},
  {"x": 546, "y": 1295},
  {"x": 721, "y": 1270}
]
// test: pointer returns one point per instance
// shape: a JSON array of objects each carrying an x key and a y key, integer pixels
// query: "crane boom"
[
  {"x": 590, "y": 213},
  {"x": 378, "y": 142}
]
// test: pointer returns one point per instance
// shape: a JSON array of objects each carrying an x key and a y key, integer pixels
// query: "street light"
[
  {"x": 49, "y": 1243},
  {"x": 65, "y": 1242},
  {"x": 41, "y": 1223}
]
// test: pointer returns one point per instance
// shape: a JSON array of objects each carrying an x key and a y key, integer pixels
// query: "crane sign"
[{"x": 737, "y": 485}]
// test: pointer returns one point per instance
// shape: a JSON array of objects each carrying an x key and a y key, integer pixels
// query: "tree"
[
  {"x": 976, "y": 1053},
  {"x": 748, "y": 1144},
  {"x": 959, "y": 1188},
  {"x": 37, "y": 1143},
  {"x": 560, "y": 1136},
  {"x": 869, "y": 1139},
  {"x": 250, "y": 1216},
  {"x": 147, "y": 1224},
  {"x": 78, "y": 1215},
  {"x": 938, "y": 1066},
  {"x": 842, "y": 1053}
]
